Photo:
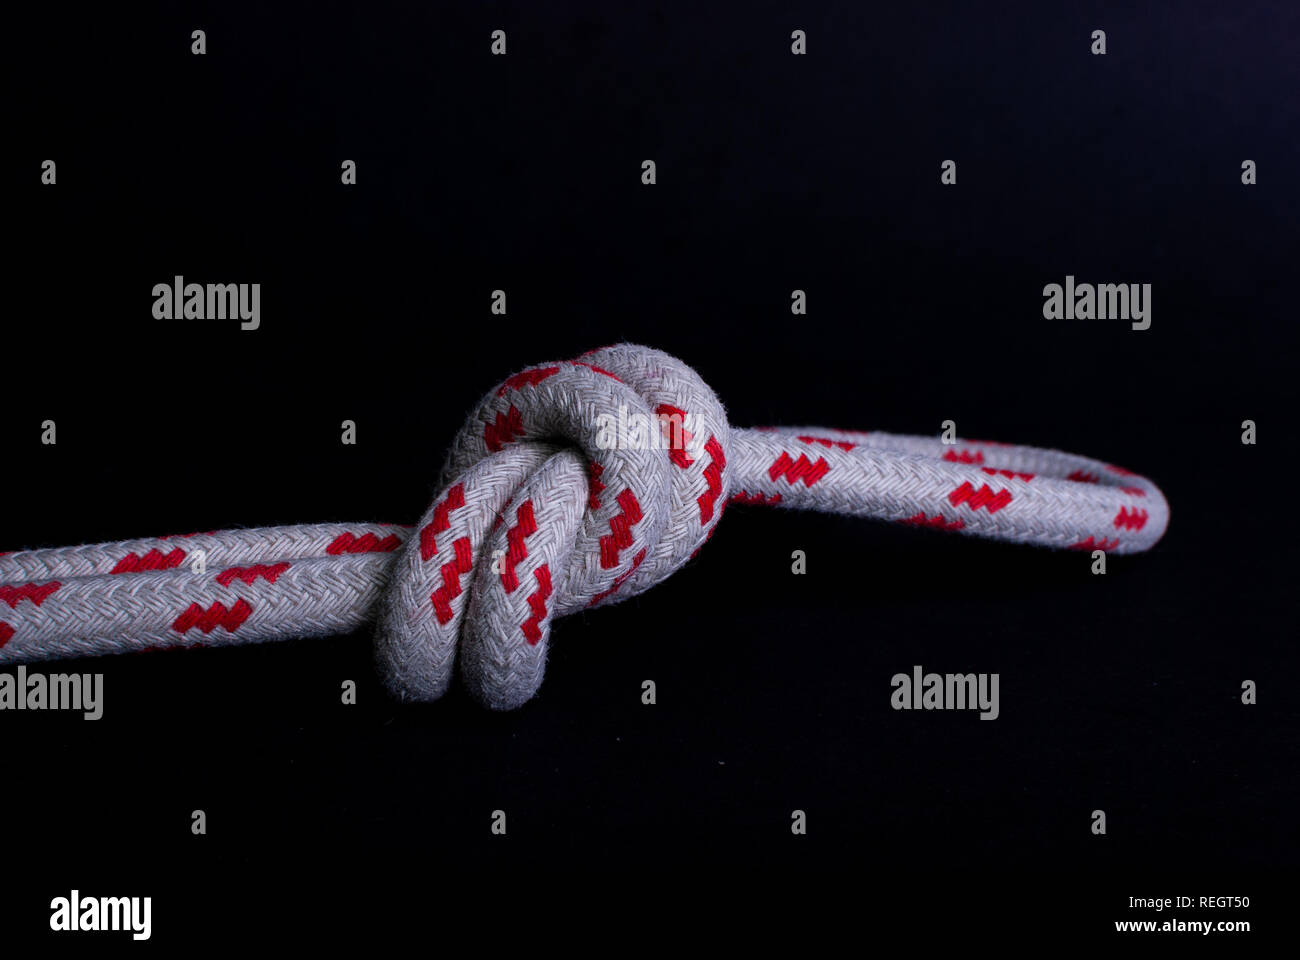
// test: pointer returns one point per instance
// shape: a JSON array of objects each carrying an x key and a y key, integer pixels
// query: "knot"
[{"x": 574, "y": 484}]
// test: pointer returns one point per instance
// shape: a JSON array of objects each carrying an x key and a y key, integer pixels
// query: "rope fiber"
[{"x": 555, "y": 497}]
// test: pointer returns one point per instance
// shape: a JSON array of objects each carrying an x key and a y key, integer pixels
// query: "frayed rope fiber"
[{"x": 540, "y": 515}]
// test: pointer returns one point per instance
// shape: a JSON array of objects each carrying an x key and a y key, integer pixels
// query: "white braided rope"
[{"x": 538, "y": 516}]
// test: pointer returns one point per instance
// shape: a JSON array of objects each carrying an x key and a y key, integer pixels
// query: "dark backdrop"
[{"x": 776, "y": 172}]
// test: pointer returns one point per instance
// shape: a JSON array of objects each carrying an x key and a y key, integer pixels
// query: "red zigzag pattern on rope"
[
  {"x": 463, "y": 560},
  {"x": 451, "y": 574},
  {"x": 668, "y": 416},
  {"x": 801, "y": 469},
  {"x": 620, "y": 525},
  {"x": 249, "y": 574},
  {"x": 594, "y": 485},
  {"x": 28, "y": 591},
  {"x": 504, "y": 430},
  {"x": 440, "y": 523},
  {"x": 983, "y": 497},
  {"x": 153, "y": 560},
  {"x": 516, "y": 550},
  {"x": 713, "y": 475},
  {"x": 1134, "y": 519},
  {"x": 350, "y": 543},
  {"x": 537, "y": 602},
  {"x": 215, "y": 616}
]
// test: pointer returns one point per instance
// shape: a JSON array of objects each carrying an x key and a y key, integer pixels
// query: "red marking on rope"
[
  {"x": 795, "y": 470},
  {"x": 592, "y": 366},
  {"x": 454, "y": 500},
  {"x": 744, "y": 496},
  {"x": 965, "y": 456},
  {"x": 1134, "y": 491},
  {"x": 594, "y": 487},
  {"x": 451, "y": 574},
  {"x": 348, "y": 543},
  {"x": 1134, "y": 519},
  {"x": 28, "y": 591},
  {"x": 713, "y": 475},
  {"x": 6, "y": 632},
  {"x": 1092, "y": 544},
  {"x": 621, "y": 579},
  {"x": 249, "y": 574},
  {"x": 1082, "y": 476},
  {"x": 527, "y": 378},
  {"x": 504, "y": 430},
  {"x": 215, "y": 616},
  {"x": 937, "y": 522},
  {"x": 828, "y": 443},
  {"x": 516, "y": 551},
  {"x": 532, "y": 626},
  {"x": 1120, "y": 470},
  {"x": 620, "y": 525},
  {"x": 153, "y": 560},
  {"x": 1007, "y": 473},
  {"x": 983, "y": 497},
  {"x": 670, "y": 416}
]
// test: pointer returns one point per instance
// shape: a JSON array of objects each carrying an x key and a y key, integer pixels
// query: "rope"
[{"x": 573, "y": 485}]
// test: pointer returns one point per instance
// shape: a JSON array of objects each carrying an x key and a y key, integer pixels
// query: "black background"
[{"x": 775, "y": 172}]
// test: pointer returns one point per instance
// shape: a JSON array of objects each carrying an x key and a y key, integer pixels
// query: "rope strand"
[{"x": 574, "y": 484}]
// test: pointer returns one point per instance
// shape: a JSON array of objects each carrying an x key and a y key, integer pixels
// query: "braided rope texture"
[{"x": 539, "y": 514}]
